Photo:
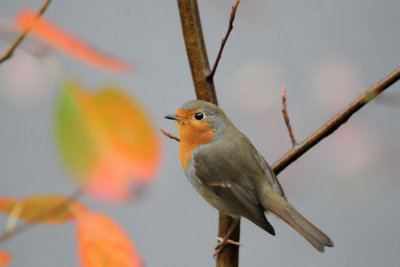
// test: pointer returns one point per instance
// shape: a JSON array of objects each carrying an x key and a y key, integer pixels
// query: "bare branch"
[
  {"x": 230, "y": 27},
  {"x": 20, "y": 38},
  {"x": 336, "y": 121},
  {"x": 286, "y": 116}
]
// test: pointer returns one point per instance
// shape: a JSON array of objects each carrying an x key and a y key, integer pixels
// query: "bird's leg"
[{"x": 224, "y": 241}]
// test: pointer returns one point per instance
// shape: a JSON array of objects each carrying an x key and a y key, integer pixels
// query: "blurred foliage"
[
  {"x": 107, "y": 141},
  {"x": 5, "y": 258},
  {"x": 101, "y": 242},
  {"x": 65, "y": 42},
  {"x": 41, "y": 208}
]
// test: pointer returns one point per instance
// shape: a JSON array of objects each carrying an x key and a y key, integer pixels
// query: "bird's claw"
[
  {"x": 228, "y": 241},
  {"x": 222, "y": 243}
]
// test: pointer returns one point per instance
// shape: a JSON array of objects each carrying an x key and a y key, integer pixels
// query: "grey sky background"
[{"x": 326, "y": 52}]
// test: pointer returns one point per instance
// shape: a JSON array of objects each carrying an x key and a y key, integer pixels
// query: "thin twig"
[
  {"x": 286, "y": 116},
  {"x": 170, "y": 135},
  {"x": 27, "y": 225},
  {"x": 230, "y": 27},
  {"x": 20, "y": 38},
  {"x": 336, "y": 121}
]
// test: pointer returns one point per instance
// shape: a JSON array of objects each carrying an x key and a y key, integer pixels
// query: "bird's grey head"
[{"x": 211, "y": 113}]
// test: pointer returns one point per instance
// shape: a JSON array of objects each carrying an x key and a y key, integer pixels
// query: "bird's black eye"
[{"x": 199, "y": 116}]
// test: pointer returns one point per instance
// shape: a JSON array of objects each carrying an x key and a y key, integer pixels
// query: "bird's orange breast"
[{"x": 192, "y": 134}]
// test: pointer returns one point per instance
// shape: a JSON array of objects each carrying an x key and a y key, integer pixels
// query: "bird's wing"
[
  {"x": 257, "y": 168},
  {"x": 223, "y": 170},
  {"x": 222, "y": 163},
  {"x": 241, "y": 163},
  {"x": 234, "y": 166},
  {"x": 271, "y": 177}
]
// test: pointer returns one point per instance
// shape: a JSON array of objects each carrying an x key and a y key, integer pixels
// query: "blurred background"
[{"x": 325, "y": 52}]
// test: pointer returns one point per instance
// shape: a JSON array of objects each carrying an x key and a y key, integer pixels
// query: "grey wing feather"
[
  {"x": 240, "y": 161},
  {"x": 241, "y": 165},
  {"x": 223, "y": 162},
  {"x": 272, "y": 179},
  {"x": 239, "y": 199}
]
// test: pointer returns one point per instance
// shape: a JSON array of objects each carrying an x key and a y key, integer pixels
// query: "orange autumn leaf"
[
  {"x": 47, "y": 209},
  {"x": 5, "y": 258},
  {"x": 67, "y": 43},
  {"x": 101, "y": 242},
  {"x": 107, "y": 141}
]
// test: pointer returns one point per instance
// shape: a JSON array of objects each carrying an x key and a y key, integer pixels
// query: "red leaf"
[
  {"x": 67, "y": 43},
  {"x": 101, "y": 242},
  {"x": 5, "y": 258},
  {"x": 42, "y": 208}
]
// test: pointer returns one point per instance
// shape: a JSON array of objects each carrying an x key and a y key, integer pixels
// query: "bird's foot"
[{"x": 223, "y": 241}]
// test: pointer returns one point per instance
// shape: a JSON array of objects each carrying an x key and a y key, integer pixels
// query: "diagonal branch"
[
  {"x": 230, "y": 28},
  {"x": 336, "y": 121},
  {"x": 20, "y": 38}
]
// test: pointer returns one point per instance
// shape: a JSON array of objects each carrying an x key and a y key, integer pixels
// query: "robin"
[{"x": 229, "y": 173}]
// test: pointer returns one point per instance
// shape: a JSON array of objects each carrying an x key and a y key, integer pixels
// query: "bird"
[{"x": 231, "y": 175}]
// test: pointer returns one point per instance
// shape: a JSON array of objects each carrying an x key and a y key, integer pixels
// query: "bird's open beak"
[{"x": 173, "y": 117}]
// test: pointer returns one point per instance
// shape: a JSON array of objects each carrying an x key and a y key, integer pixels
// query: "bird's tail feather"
[
  {"x": 312, "y": 234},
  {"x": 276, "y": 204}
]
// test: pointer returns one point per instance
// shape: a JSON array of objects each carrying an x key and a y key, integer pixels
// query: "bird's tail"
[
  {"x": 280, "y": 207},
  {"x": 312, "y": 234}
]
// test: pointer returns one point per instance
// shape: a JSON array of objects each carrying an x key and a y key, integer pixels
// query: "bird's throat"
[{"x": 187, "y": 145}]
